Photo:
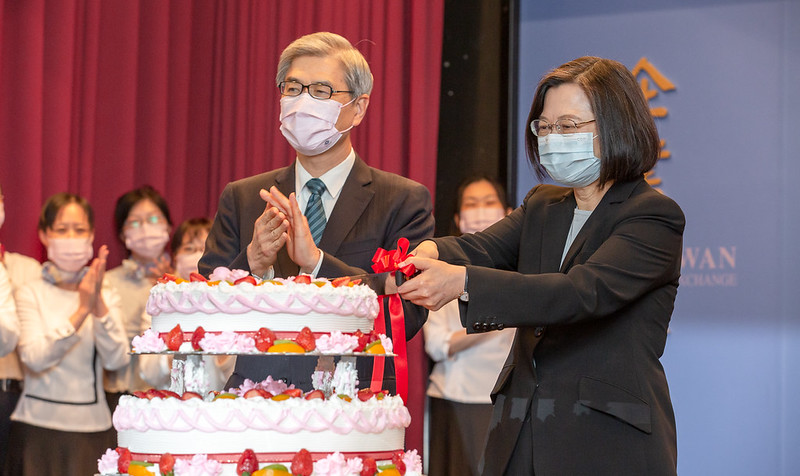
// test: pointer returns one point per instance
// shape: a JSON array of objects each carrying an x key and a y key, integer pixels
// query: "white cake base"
[{"x": 254, "y": 320}]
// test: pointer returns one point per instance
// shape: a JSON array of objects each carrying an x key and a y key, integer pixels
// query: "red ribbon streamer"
[
  {"x": 399, "y": 342},
  {"x": 390, "y": 261}
]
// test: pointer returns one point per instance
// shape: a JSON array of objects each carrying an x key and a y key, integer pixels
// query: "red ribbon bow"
[{"x": 390, "y": 260}]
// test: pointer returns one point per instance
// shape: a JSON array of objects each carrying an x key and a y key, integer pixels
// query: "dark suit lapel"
[
  {"x": 619, "y": 192},
  {"x": 554, "y": 232},
  {"x": 356, "y": 195},
  {"x": 284, "y": 182}
]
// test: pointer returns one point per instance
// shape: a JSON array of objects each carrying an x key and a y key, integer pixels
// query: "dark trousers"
[
  {"x": 8, "y": 401},
  {"x": 521, "y": 462},
  {"x": 37, "y": 451},
  {"x": 457, "y": 436}
]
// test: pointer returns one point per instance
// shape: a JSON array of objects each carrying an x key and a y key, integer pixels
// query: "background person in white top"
[
  {"x": 142, "y": 222},
  {"x": 70, "y": 329},
  {"x": 466, "y": 366},
  {"x": 9, "y": 324},
  {"x": 19, "y": 269}
]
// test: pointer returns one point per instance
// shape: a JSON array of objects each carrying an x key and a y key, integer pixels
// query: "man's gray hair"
[{"x": 321, "y": 44}]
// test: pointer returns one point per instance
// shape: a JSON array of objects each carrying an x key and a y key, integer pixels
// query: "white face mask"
[
  {"x": 186, "y": 263},
  {"x": 148, "y": 240},
  {"x": 69, "y": 254},
  {"x": 476, "y": 219},
  {"x": 310, "y": 124},
  {"x": 569, "y": 158}
]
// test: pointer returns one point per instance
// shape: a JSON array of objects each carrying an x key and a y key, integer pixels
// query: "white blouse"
[
  {"x": 21, "y": 269},
  {"x": 9, "y": 324},
  {"x": 467, "y": 376},
  {"x": 133, "y": 293},
  {"x": 63, "y": 366}
]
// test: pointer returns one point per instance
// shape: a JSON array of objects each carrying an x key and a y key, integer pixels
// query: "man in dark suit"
[{"x": 325, "y": 85}]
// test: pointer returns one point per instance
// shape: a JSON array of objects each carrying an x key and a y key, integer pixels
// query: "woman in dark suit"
[{"x": 588, "y": 273}]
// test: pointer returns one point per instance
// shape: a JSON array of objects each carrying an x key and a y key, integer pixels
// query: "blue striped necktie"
[{"x": 314, "y": 211}]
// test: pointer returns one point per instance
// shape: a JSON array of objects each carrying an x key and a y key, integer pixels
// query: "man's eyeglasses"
[
  {"x": 541, "y": 128},
  {"x": 138, "y": 222},
  {"x": 315, "y": 90}
]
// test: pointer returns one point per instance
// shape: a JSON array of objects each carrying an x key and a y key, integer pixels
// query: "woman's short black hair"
[
  {"x": 628, "y": 136},
  {"x": 127, "y": 201},
  {"x": 192, "y": 228},
  {"x": 55, "y": 203}
]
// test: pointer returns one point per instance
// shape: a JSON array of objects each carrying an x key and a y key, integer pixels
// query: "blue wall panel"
[{"x": 733, "y": 132}]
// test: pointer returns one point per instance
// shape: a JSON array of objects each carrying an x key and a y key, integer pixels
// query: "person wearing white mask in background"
[
  {"x": 19, "y": 269},
  {"x": 466, "y": 366},
  {"x": 187, "y": 246},
  {"x": 142, "y": 222},
  {"x": 70, "y": 329}
]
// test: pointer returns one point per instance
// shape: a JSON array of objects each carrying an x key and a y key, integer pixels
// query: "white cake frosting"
[
  {"x": 279, "y": 304},
  {"x": 266, "y": 426}
]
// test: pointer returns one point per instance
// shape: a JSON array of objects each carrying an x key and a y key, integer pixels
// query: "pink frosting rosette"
[
  {"x": 413, "y": 462},
  {"x": 107, "y": 464},
  {"x": 228, "y": 342},
  {"x": 222, "y": 273},
  {"x": 337, "y": 343},
  {"x": 336, "y": 464},
  {"x": 199, "y": 465},
  {"x": 150, "y": 341},
  {"x": 271, "y": 385},
  {"x": 386, "y": 342}
]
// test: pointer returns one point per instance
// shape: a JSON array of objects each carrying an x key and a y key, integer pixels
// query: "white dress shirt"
[
  {"x": 333, "y": 179},
  {"x": 63, "y": 387}
]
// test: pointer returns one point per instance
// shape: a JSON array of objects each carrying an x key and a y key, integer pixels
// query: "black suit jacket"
[
  {"x": 375, "y": 209},
  {"x": 585, "y": 361}
]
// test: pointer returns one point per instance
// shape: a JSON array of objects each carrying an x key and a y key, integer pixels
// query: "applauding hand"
[
  {"x": 299, "y": 243},
  {"x": 269, "y": 236}
]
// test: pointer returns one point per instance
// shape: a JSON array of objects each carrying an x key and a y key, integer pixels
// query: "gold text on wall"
[{"x": 652, "y": 81}]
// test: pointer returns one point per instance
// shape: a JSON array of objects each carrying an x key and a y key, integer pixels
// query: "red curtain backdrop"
[{"x": 100, "y": 97}]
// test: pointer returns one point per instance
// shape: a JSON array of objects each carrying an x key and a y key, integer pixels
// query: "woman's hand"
[
  {"x": 437, "y": 283},
  {"x": 99, "y": 265},
  {"x": 299, "y": 243},
  {"x": 90, "y": 297},
  {"x": 87, "y": 292},
  {"x": 426, "y": 249}
]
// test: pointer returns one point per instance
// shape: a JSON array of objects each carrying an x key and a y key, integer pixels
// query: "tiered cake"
[{"x": 264, "y": 428}]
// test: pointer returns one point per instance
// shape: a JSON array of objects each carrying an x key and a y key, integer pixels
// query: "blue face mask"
[{"x": 569, "y": 158}]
